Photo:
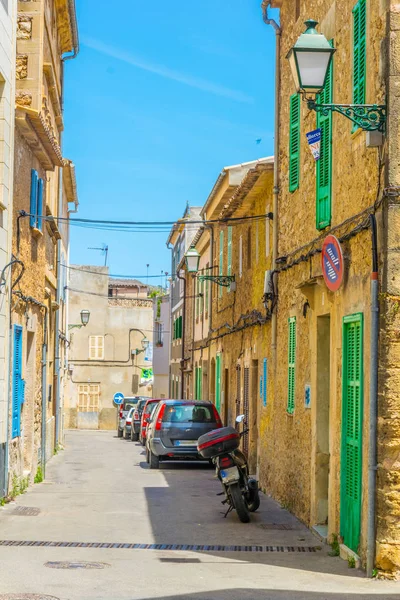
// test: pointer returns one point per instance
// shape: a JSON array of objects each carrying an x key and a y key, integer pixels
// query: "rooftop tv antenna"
[{"x": 104, "y": 251}]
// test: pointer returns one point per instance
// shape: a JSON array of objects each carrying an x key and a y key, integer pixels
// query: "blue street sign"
[{"x": 118, "y": 398}]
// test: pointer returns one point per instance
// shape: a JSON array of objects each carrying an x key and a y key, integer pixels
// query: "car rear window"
[
  {"x": 188, "y": 413},
  {"x": 130, "y": 403},
  {"x": 141, "y": 404}
]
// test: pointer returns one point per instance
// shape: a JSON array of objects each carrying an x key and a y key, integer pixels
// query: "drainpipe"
[
  {"x": 57, "y": 358},
  {"x": 265, "y": 4},
  {"x": 183, "y": 335},
  {"x": 373, "y": 404}
]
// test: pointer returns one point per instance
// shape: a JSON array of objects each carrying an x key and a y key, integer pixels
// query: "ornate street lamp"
[
  {"x": 85, "y": 316},
  {"x": 310, "y": 59},
  {"x": 192, "y": 259}
]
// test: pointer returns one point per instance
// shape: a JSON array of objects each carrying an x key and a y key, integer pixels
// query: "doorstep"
[
  {"x": 321, "y": 531},
  {"x": 346, "y": 554}
]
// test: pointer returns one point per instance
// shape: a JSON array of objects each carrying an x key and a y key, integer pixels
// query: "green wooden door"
[
  {"x": 218, "y": 371},
  {"x": 352, "y": 406}
]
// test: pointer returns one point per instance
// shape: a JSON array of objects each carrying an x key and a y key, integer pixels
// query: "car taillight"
[
  {"x": 160, "y": 417},
  {"x": 225, "y": 462},
  {"x": 128, "y": 421},
  {"x": 120, "y": 414},
  {"x": 217, "y": 418}
]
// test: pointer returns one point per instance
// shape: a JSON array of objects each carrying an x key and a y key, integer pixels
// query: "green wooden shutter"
[
  {"x": 324, "y": 164},
  {"x": 218, "y": 369},
  {"x": 199, "y": 375},
  {"x": 352, "y": 424},
  {"x": 359, "y": 53},
  {"x": 294, "y": 143},
  {"x": 229, "y": 272},
  {"x": 221, "y": 259},
  {"x": 291, "y": 365}
]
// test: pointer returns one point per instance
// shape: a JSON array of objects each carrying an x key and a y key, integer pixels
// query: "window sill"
[
  {"x": 290, "y": 414},
  {"x": 36, "y": 233}
]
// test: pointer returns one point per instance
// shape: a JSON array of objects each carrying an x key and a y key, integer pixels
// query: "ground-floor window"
[{"x": 88, "y": 397}]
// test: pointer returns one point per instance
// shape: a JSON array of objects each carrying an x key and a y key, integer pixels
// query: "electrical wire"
[
  {"x": 110, "y": 275},
  {"x": 144, "y": 226}
]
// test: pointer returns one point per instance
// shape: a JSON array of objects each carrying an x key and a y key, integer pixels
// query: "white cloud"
[{"x": 194, "y": 82}]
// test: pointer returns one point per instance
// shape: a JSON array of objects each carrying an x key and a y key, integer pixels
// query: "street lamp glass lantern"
[
  {"x": 85, "y": 316},
  {"x": 310, "y": 59},
  {"x": 145, "y": 343},
  {"x": 192, "y": 258}
]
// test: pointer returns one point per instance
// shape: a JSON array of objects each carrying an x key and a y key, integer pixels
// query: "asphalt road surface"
[{"x": 105, "y": 526}]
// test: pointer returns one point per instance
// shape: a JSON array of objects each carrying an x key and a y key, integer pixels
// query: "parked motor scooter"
[{"x": 222, "y": 447}]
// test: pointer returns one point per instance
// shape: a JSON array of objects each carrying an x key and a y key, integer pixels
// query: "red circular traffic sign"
[{"x": 332, "y": 263}]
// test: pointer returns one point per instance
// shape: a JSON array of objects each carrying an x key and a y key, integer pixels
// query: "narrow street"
[{"x": 99, "y": 490}]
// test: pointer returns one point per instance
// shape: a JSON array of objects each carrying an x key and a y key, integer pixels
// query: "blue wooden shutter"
[
  {"x": 324, "y": 164},
  {"x": 33, "y": 202},
  {"x": 40, "y": 204},
  {"x": 294, "y": 143},
  {"x": 17, "y": 385},
  {"x": 265, "y": 382}
]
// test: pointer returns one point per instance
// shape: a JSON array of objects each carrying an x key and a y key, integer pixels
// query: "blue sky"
[{"x": 160, "y": 98}]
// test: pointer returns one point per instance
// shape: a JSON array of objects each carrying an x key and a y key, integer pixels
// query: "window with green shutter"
[
  {"x": 221, "y": 259},
  {"x": 324, "y": 164},
  {"x": 291, "y": 365},
  {"x": 294, "y": 143},
  {"x": 359, "y": 53}
]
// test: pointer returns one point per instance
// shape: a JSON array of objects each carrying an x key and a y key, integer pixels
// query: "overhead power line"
[
  {"x": 145, "y": 226},
  {"x": 110, "y": 275}
]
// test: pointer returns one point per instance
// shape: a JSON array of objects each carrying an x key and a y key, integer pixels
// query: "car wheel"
[
  {"x": 125, "y": 435},
  {"x": 147, "y": 455},
  {"x": 131, "y": 436},
  {"x": 143, "y": 442},
  {"x": 134, "y": 437},
  {"x": 154, "y": 461},
  {"x": 119, "y": 432}
]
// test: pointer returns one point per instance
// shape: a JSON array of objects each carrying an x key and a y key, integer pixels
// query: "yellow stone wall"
[{"x": 292, "y": 463}]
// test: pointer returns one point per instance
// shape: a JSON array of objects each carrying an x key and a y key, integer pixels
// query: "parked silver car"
[
  {"x": 123, "y": 412},
  {"x": 128, "y": 423}
]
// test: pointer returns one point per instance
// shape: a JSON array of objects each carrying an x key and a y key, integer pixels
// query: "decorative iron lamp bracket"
[
  {"x": 77, "y": 326},
  {"x": 222, "y": 280},
  {"x": 370, "y": 117}
]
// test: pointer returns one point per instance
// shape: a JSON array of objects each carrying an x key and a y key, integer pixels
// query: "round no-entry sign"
[
  {"x": 332, "y": 263},
  {"x": 118, "y": 398}
]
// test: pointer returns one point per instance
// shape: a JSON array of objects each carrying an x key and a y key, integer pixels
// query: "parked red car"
[{"x": 147, "y": 412}]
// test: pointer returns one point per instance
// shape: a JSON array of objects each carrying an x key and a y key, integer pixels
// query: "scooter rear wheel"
[{"x": 239, "y": 503}]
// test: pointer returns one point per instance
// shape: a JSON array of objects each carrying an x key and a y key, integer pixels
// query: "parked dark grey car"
[
  {"x": 175, "y": 427},
  {"x": 137, "y": 418}
]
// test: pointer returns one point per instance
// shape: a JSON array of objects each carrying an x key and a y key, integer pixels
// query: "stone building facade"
[
  {"x": 46, "y": 37},
  {"x": 161, "y": 345},
  {"x": 104, "y": 357},
  {"x": 8, "y": 15},
  {"x": 179, "y": 242},
  {"x": 316, "y": 431}
]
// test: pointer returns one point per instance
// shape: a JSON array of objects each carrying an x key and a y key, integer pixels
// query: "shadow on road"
[{"x": 252, "y": 594}]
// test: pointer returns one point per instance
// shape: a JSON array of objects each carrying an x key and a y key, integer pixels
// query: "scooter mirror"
[{"x": 239, "y": 418}]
